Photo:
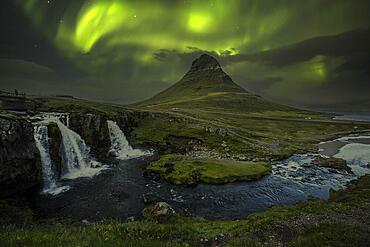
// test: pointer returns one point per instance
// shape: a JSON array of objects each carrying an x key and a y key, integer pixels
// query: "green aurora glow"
[{"x": 102, "y": 36}]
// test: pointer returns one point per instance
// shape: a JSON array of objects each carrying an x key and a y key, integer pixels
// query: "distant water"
[{"x": 355, "y": 116}]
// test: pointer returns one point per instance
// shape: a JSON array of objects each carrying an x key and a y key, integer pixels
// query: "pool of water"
[{"x": 117, "y": 192}]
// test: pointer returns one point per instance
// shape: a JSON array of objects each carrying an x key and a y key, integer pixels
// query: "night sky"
[{"x": 313, "y": 53}]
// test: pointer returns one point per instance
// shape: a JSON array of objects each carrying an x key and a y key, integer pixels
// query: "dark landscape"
[{"x": 254, "y": 145}]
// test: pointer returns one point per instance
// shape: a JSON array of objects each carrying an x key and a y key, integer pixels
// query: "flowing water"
[
  {"x": 42, "y": 143},
  {"x": 76, "y": 158},
  {"x": 117, "y": 192},
  {"x": 120, "y": 148}
]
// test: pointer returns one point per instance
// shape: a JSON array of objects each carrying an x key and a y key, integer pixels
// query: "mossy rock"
[{"x": 180, "y": 169}]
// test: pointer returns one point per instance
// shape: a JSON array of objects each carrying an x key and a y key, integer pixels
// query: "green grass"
[
  {"x": 332, "y": 234},
  {"x": 186, "y": 170},
  {"x": 250, "y": 126},
  {"x": 78, "y": 105},
  {"x": 8, "y": 116},
  {"x": 340, "y": 221},
  {"x": 253, "y": 137}
]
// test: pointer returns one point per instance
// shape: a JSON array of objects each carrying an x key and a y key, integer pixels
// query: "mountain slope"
[
  {"x": 204, "y": 77},
  {"x": 207, "y": 87}
]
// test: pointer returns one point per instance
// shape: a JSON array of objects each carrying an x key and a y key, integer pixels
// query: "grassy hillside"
[{"x": 218, "y": 132}]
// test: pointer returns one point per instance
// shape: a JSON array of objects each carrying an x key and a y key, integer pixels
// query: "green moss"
[
  {"x": 186, "y": 170},
  {"x": 9, "y": 116}
]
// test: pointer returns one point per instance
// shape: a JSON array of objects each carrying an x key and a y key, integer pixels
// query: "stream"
[{"x": 117, "y": 190}]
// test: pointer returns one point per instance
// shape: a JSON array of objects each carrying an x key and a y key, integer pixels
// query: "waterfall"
[
  {"x": 76, "y": 158},
  {"x": 42, "y": 143},
  {"x": 120, "y": 147},
  {"x": 77, "y": 161}
]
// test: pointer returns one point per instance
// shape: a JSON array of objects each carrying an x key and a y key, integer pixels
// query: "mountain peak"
[
  {"x": 205, "y": 61},
  {"x": 204, "y": 77}
]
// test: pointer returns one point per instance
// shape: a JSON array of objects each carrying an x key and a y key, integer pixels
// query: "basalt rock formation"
[
  {"x": 55, "y": 148},
  {"x": 93, "y": 129},
  {"x": 20, "y": 164}
]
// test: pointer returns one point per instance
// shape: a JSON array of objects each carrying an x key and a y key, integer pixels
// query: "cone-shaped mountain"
[
  {"x": 206, "y": 85},
  {"x": 205, "y": 76}
]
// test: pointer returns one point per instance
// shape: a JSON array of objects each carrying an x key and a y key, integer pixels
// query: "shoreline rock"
[{"x": 332, "y": 163}]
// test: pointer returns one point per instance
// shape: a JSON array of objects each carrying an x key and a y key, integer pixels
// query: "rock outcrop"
[
  {"x": 55, "y": 148},
  {"x": 20, "y": 164},
  {"x": 160, "y": 209},
  {"x": 94, "y": 131},
  {"x": 332, "y": 163}
]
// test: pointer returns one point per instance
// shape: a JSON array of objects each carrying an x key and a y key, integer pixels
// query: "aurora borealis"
[{"x": 125, "y": 51}]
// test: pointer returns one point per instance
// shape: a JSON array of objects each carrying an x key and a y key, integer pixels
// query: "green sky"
[{"x": 130, "y": 50}]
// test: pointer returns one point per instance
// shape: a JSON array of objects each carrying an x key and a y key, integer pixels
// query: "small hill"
[{"x": 206, "y": 86}]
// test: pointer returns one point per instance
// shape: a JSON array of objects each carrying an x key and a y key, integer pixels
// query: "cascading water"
[
  {"x": 120, "y": 147},
  {"x": 77, "y": 161},
  {"x": 42, "y": 143},
  {"x": 76, "y": 158}
]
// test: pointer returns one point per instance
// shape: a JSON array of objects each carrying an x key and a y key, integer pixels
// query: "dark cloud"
[{"x": 291, "y": 51}]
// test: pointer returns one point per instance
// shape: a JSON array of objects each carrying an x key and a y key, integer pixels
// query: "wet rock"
[
  {"x": 20, "y": 165},
  {"x": 55, "y": 148},
  {"x": 160, "y": 209},
  {"x": 93, "y": 129},
  {"x": 334, "y": 163},
  {"x": 130, "y": 219},
  {"x": 368, "y": 165}
]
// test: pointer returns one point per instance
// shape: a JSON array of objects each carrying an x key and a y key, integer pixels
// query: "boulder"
[
  {"x": 20, "y": 164},
  {"x": 333, "y": 163},
  {"x": 160, "y": 209}
]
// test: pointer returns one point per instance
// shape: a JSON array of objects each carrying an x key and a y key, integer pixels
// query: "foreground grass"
[
  {"x": 343, "y": 220},
  {"x": 187, "y": 170}
]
